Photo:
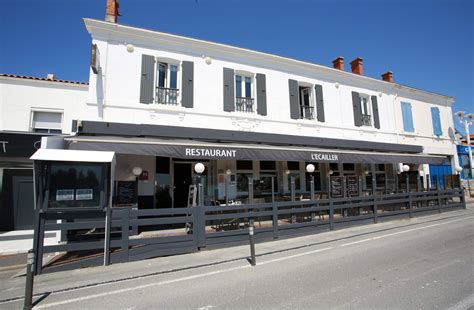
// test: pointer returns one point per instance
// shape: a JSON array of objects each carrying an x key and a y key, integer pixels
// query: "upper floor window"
[
  {"x": 366, "y": 111},
  {"x": 306, "y": 101},
  {"x": 244, "y": 92},
  {"x": 244, "y": 101},
  {"x": 161, "y": 79},
  {"x": 167, "y": 83},
  {"x": 407, "y": 116},
  {"x": 47, "y": 122},
  {"x": 436, "y": 120}
]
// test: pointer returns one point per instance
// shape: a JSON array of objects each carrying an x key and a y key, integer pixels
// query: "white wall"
[
  {"x": 125, "y": 165},
  {"x": 19, "y": 97},
  {"x": 114, "y": 93}
]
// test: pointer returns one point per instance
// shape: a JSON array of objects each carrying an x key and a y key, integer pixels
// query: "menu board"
[
  {"x": 336, "y": 187},
  {"x": 126, "y": 192},
  {"x": 192, "y": 196},
  {"x": 352, "y": 183}
]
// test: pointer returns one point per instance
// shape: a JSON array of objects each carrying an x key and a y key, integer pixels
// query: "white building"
[
  {"x": 150, "y": 87},
  {"x": 30, "y": 108},
  {"x": 164, "y": 102}
]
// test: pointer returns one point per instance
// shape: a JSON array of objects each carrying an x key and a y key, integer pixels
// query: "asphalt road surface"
[{"x": 424, "y": 266}]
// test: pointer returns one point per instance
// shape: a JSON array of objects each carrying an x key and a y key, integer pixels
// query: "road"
[{"x": 423, "y": 265}]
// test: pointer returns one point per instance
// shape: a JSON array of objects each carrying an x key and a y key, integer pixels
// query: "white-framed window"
[
  {"x": 306, "y": 100},
  {"x": 46, "y": 122},
  {"x": 244, "y": 92},
  {"x": 167, "y": 81},
  {"x": 366, "y": 109}
]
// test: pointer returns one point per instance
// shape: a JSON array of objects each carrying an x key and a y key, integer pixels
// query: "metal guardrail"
[
  {"x": 244, "y": 104},
  {"x": 307, "y": 112},
  {"x": 167, "y": 95},
  {"x": 366, "y": 120},
  {"x": 215, "y": 226}
]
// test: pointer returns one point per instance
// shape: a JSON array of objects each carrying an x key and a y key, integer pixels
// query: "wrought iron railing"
[
  {"x": 307, "y": 112},
  {"x": 167, "y": 95},
  {"x": 244, "y": 104},
  {"x": 366, "y": 120}
]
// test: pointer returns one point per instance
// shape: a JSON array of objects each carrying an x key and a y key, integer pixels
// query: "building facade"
[
  {"x": 164, "y": 102},
  {"x": 29, "y": 109}
]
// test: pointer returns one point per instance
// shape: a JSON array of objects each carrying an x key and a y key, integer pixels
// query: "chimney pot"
[
  {"x": 111, "y": 11},
  {"x": 388, "y": 76},
  {"x": 356, "y": 66},
  {"x": 51, "y": 76},
  {"x": 338, "y": 63}
]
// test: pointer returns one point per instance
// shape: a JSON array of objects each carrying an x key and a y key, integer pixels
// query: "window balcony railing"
[
  {"x": 307, "y": 112},
  {"x": 244, "y": 104},
  {"x": 167, "y": 95},
  {"x": 366, "y": 120}
]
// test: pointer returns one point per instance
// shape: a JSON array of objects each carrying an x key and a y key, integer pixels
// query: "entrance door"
[
  {"x": 23, "y": 203},
  {"x": 182, "y": 180}
]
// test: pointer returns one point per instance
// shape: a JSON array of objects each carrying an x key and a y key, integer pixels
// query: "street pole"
[
  {"x": 469, "y": 150},
  {"x": 253, "y": 261},
  {"x": 28, "y": 301}
]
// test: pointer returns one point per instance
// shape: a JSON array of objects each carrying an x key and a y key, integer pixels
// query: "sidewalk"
[
  {"x": 13, "y": 288},
  {"x": 20, "y": 241}
]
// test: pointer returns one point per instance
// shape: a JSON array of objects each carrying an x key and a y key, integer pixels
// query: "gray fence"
[{"x": 129, "y": 235}]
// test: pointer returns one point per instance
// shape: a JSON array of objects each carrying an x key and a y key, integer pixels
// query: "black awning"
[
  {"x": 190, "y": 149},
  {"x": 19, "y": 144}
]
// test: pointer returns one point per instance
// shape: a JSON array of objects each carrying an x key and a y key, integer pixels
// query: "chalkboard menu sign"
[
  {"x": 336, "y": 186},
  {"x": 352, "y": 182},
  {"x": 192, "y": 196},
  {"x": 126, "y": 192}
]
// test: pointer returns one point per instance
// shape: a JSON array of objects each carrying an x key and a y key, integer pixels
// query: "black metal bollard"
[
  {"x": 253, "y": 261},
  {"x": 29, "y": 280}
]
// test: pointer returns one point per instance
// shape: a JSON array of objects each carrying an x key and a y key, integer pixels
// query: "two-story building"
[{"x": 164, "y": 102}]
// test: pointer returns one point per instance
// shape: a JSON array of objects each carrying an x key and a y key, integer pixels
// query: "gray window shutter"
[
  {"x": 147, "y": 79},
  {"x": 187, "y": 98},
  {"x": 375, "y": 111},
  {"x": 319, "y": 103},
  {"x": 229, "y": 99},
  {"x": 261, "y": 94},
  {"x": 294, "y": 104},
  {"x": 357, "y": 110}
]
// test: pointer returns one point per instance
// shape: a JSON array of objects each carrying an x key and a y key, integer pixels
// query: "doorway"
[
  {"x": 182, "y": 180},
  {"x": 23, "y": 203}
]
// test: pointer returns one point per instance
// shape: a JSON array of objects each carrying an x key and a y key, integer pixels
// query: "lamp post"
[
  {"x": 406, "y": 168},
  {"x": 137, "y": 171},
  {"x": 467, "y": 120},
  {"x": 199, "y": 169},
  {"x": 228, "y": 172},
  {"x": 310, "y": 169}
]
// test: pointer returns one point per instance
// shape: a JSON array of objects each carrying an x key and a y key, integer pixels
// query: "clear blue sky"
[{"x": 428, "y": 44}]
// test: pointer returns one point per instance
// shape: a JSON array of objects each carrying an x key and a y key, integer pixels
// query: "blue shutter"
[
  {"x": 436, "y": 122},
  {"x": 407, "y": 117}
]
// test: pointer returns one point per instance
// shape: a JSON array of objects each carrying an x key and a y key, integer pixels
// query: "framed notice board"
[
  {"x": 336, "y": 187},
  {"x": 126, "y": 192},
  {"x": 192, "y": 193},
  {"x": 352, "y": 185}
]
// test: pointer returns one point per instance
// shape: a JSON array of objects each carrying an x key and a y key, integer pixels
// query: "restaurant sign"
[
  {"x": 18, "y": 145},
  {"x": 249, "y": 152},
  {"x": 324, "y": 157},
  {"x": 204, "y": 152}
]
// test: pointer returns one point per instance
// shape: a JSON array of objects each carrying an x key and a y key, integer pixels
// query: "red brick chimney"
[
  {"x": 111, "y": 11},
  {"x": 338, "y": 63},
  {"x": 356, "y": 66},
  {"x": 388, "y": 76}
]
